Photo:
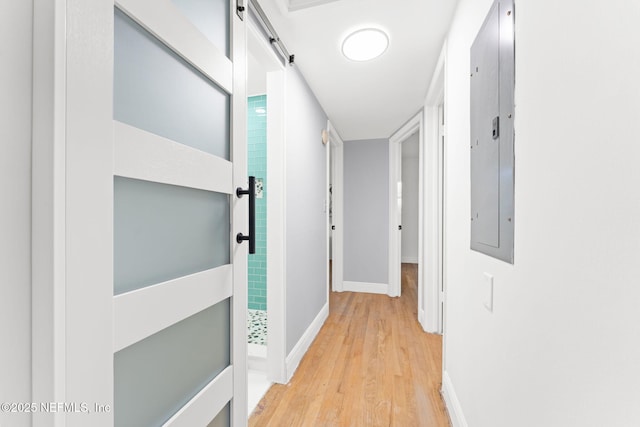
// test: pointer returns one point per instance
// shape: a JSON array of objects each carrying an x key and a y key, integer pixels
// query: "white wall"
[
  {"x": 561, "y": 347},
  {"x": 306, "y": 221},
  {"x": 15, "y": 211},
  {"x": 366, "y": 211},
  {"x": 256, "y": 76},
  {"x": 410, "y": 199}
]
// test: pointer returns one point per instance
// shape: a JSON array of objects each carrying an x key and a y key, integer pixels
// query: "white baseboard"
[
  {"x": 452, "y": 403},
  {"x": 421, "y": 317},
  {"x": 295, "y": 357},
  {"x": 409, "y": 260},
  {"x": 372, "y": 288}
]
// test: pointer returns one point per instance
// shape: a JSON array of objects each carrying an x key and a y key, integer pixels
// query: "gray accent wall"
[
  {"x": 16, "y": 45},
  {"x": 306, "y": 222},
  {"x": 366, "y": 211}
]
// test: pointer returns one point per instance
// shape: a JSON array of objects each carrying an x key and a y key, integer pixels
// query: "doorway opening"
[
  {"x": 265, "y": 150},
  {"x": 410, "y": 179},
  {"x": 257, "y": 273},
  {"x": 407, "y": 144}
]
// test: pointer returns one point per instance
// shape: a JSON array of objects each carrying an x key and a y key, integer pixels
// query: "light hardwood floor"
[{"x": 370, "y": 365}]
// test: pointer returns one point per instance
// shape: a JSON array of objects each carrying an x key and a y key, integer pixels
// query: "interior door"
[
  {"x": 177, "y": 297},
  {"x": 173, "y": 202},
  {"x": 337, "y": 209}
]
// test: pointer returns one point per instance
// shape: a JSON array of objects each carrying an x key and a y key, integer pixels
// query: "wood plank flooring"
[{"x": 370, "y": 365}]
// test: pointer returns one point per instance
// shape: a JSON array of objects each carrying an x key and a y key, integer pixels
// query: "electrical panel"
[{"x": 492, "y": 77}]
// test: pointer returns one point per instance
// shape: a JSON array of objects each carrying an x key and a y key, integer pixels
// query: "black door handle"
[
  {"x": 252, "y": 215},
  {"x": 333, "y": 227}
]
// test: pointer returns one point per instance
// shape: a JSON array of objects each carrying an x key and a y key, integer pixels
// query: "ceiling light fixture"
[{"x": 365, "y": 44}]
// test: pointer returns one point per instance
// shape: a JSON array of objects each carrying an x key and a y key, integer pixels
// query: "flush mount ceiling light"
[{"x": 365, "y": 44}]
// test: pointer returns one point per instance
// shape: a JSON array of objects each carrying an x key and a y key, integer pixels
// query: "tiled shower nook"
[{"x": 257, "y": 274}]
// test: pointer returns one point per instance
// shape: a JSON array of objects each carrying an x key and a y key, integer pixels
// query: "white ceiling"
[{"x": 364, "y": 100}]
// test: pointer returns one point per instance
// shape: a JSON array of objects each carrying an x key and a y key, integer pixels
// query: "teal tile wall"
[{"x": 257, "y": 140}]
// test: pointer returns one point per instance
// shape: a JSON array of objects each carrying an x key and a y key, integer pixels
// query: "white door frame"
[
  {"x": 276, "y": 212},
  {"x": 72, "y": 172},
  {"x": 434, "y": 155},
  {"x": 48, "y": 210},
  {"x": 337, "y": 199},
  {"x": 431, "y": 224},
  {"x": 327, "y": 198},
  {"x": 74, "y": 333},
  {"x": 395, "y": 235}
]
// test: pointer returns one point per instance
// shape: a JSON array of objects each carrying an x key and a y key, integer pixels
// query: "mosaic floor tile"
[{"x": 257, "y": 327}]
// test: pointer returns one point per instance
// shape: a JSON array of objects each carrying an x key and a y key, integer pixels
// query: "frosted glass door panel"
[
  {"x": 211, "y": 17},
  {"x": 162, "y": 232},
  {"x": 157, "y": 376},
  {"x": 223, "y": 419},
  {"x": 157, "y": 91}
]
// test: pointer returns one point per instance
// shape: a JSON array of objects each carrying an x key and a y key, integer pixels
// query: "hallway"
[{"x": 370, "y": 365}]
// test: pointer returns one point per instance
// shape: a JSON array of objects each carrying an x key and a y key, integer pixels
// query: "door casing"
[
  {"x": 435, "y": 192},
  {"x": 276, "y": 269},
  {"x": 415, "y": 124}
]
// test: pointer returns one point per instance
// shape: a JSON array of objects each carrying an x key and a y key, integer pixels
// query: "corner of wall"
[{"x": 452, "y": 403}]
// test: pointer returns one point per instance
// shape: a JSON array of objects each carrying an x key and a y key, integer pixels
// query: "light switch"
[{"x": 488, "y": 292}]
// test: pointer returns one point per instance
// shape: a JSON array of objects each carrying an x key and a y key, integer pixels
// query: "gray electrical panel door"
[{"x": 491, "y": 142}]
